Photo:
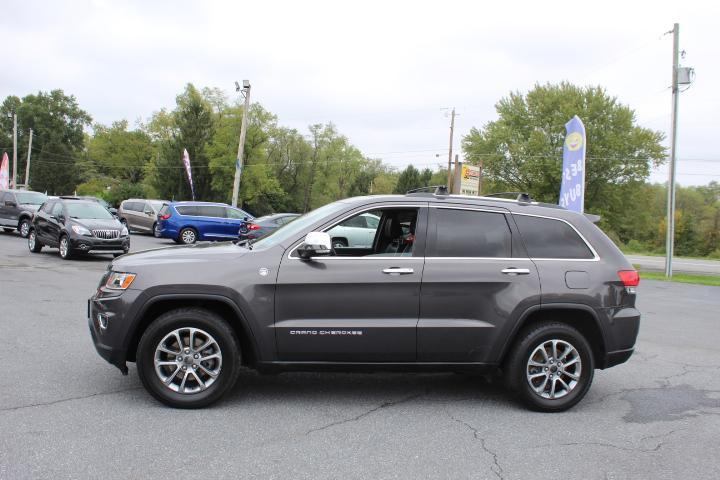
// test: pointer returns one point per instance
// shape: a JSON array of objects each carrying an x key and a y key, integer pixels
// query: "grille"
[{"x": 106, "y": 234}]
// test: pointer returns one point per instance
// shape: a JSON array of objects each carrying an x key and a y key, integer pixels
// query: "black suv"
[
  {"x": 448, "y": 283},
  {"x": 77, "y": 226},
  {"x": 17, "y": 208}
]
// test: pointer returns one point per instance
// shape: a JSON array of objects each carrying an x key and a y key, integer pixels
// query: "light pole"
[{"x": 245, "y": 91}]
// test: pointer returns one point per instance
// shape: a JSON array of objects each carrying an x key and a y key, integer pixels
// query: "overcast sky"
[{"x": 381, "y": 71}]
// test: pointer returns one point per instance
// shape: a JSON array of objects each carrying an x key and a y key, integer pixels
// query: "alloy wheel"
[
  {"x": 188, "y": 236},
  {"x": 188, "y": 360},
  {"x": 554, "y": 369},
  {"x": 24, "y": 228},
  {"x": 64, "y": 247}
]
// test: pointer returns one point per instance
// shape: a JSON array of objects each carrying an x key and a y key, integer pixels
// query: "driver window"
[{"x": 385, "y": 232}]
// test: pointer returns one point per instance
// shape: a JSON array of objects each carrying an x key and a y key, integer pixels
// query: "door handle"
[
  {"x": 398, "y": 271},
  {"x": 515, "y": 271}
]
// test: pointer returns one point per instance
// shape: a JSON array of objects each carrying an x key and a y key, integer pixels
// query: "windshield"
[
  {"x": 32, "y": 198},
  {"x": 289, "y": 230},
  {"x": 86, "y": 210}
]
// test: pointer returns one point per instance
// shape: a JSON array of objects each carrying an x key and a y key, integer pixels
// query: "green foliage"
[
  {"x": 411, "y": 178},
  {"x": 522, "y": 149},
  {"x": 57, "y": 122}
]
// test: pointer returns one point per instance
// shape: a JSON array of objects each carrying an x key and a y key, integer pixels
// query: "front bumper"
[
  {"x": 93, "y": 244},
  {"x": 107, "y": 321}
]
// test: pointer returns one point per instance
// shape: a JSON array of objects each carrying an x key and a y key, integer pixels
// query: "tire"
[
  {"x": 171, "y": 389},
  {"x": 24, "y": 227},
  {"x": 187, "y": 236},
  {"x": 528, "y": 348},
  {"x": 33, "y": 243},
  {"x": 339, "y": 243},
  {"x": 66, "y": 253},
  {"x": 155, "y": 230}
]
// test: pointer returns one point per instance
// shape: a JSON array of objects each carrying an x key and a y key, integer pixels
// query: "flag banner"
[
  {"x": 5, "y": 172},
  {"x": 186, "y": 162},
  {"x": 572, "y": 188}
]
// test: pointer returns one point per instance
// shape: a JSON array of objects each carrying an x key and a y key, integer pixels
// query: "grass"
[{"x": 712, "y": 280}]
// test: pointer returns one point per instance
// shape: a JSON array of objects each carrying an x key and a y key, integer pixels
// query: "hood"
[
  {"x": 199, "y": 252},
  {"x": 98, "y": 223}
]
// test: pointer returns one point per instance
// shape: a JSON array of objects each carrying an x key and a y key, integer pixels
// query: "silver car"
[{"x": 140, "y": 215}]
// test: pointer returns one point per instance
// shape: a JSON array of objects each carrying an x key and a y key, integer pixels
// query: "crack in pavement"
[
  {"x": 70, "y": 399},
  {"x": 654, "y": 449},
  {"x": 389, "y": 403},
  {"x": 496, "y": 468}
]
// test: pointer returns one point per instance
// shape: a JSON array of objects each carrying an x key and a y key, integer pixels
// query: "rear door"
[
  {"x": 42, "y": 217},
  {"x": 4, "y": 217},
  {"x": 477, "y": 281},
  {"x": 213, "y": 221}
]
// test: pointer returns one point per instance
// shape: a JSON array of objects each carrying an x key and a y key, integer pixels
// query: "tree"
[
  {"x": 411, "y": 178},
  {"x": 58, "y": 126},
  {"x": 522, "y": 149}
]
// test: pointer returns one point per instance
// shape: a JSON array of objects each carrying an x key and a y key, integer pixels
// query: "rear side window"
[
  {"x": 550, "y": 238},
  {"x": 187, "y": 210},
  {"x": 165, "y": 210},
  {"x": 210, "y": 211},
  {"x": 471, "y": 233},
  {"x": 131, "y": 206}
]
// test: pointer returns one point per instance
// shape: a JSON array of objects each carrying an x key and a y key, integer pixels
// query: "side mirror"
[{"x": 316, "y": 244}]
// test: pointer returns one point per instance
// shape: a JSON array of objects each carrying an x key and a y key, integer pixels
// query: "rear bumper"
[
  {"x": 617, "y": 357},
  {"x": 623, "y": 326}
]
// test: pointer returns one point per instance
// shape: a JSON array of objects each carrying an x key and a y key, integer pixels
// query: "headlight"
[
  {"x": 81, "y": 230},
  {"x": 124, "y": 231},
  {"x": 119, "y": 280}
]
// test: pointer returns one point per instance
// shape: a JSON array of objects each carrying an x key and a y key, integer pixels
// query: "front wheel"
[
  {"x": 188, "y": 358},
  {"x": 64, "y": 249},
  {"x": 24, "y": 228},
  {"x": 550, "y": 367},
  {"x": 33, "y": 243}
]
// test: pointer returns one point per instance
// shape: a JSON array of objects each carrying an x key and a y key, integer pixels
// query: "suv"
[
  {"x": 449, "y": 283},
  {"x": 77, "y": 226},
  {"x": 139, "y": 214},
  {"x": 17, "y": 208},
  {"x": 188, "y": 222}
]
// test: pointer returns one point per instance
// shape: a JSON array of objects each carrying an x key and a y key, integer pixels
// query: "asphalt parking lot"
[{"x": 65, "y": 413}]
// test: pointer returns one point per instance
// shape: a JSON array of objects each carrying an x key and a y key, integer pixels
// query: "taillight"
[
  {"x": 165, "y": 217},
  {"x": 629, "y": 278},
  {"x": 252, "y": 226}
]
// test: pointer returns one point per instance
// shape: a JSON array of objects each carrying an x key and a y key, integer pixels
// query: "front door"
[
  {"x": 477, "y": 281},
  {"x": 360, "y": 305}
]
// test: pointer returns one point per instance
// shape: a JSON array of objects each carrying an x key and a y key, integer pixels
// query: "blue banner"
[{"x": 572, "y": 188}]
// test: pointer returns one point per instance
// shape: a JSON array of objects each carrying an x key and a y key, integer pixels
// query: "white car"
[{"x": 355, "y": 232}]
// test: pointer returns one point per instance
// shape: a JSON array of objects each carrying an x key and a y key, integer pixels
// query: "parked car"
[
  {"x": 141, "y": 215},
  {"x": 17, "y": 208},
  {"x": 449, "y": 283},
  {"x": 261, "y": 226},
  {"x": 188, "y": 222},
  {"x": 77, "y": 226},
  {"x": 355, "y": 232}
]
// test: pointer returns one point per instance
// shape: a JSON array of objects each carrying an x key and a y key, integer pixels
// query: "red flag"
[{"x": 186, "y": 162}]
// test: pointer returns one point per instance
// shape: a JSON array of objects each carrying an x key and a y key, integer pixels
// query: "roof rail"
[
  {"x": 429, "y": 190},
  {"x": 523, "y": 197}
]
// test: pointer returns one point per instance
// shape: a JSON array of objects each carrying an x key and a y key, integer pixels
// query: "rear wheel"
[
  {"x": 188, "y": 236},
  {"x": 33, "y": 243},
  {"x": 550, "y": 367},
  {"x": 156, "y": 230},
  {"x": 64, "y": 249},
  {"x": 24, "y": 227},
  {"x": 188, "y": 358}
]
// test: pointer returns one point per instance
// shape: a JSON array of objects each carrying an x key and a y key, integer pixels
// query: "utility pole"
[
  {"x": 452, "y": 128},
  {"x": 27, "y": 164},
  {"x": 456, "y": 176},
  {"x": 14, "y": 175},
  {"x": 245, "y": 91},
  {"x": 670, "y": 239}
]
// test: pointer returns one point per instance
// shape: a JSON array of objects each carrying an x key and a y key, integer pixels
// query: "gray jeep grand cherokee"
[{"x": 449, "y": 283}]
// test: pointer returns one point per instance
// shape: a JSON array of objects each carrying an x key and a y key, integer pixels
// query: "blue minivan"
[{"x": 188, "y": 222}]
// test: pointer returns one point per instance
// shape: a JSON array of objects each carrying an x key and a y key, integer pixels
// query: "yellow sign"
[
  {"x": 470, "y": 180},
  {"x": 574, "y": 141}
]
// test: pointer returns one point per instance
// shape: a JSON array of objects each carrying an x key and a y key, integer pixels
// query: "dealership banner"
[
  {"x": 5, "y": 172},
  {"x": 186, "y": 162},
  {"x": 572, "y": 188}
]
